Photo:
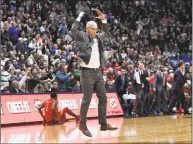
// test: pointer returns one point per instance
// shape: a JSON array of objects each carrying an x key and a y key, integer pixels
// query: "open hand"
[
  {"x": 100, "y": 14},
  {"x": 28, "y": 73},
  {"x": 81, "y": 14}
]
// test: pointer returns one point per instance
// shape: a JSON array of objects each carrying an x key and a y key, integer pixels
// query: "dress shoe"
[
  {"x": 187, "y": 113},
  {"x": 85, "y": 131},
  {"x": 160, "y": 114},
  {"x": 134, "y": 114},
  {"x": 154, "y": 113},
  {"x": 141, "y": 115},
  {"x": 169, "y": 113},
  {"x": 107, "y": 127},
  {"x": 146, "y": 113}
]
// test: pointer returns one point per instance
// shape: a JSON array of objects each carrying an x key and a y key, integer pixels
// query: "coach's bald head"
[{"x": 91, "y": 28}]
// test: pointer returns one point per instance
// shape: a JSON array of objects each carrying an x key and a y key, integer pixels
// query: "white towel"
[{"x": 137, "y": 77}]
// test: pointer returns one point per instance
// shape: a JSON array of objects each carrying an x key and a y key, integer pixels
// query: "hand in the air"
[
  {"x": 28, "y": 73},
  {"x": 81, "y": 14},
  {"x": 100, "y": 14}
]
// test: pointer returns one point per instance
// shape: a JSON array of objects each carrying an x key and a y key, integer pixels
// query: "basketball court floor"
[{"x": 162, "y": 129}]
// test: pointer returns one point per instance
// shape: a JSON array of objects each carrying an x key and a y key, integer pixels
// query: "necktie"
[{"x": 91, "y": 39}]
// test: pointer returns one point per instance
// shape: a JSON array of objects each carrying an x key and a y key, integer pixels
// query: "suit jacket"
[
  {"x": 158, "y": 80},
  {"x": 178, "y": 81},
  {"x": 119, "y": 82},
  {"x": 138, "y": 87},
  {"x": 84, "y": 44},
  {"x": 145, "y": 82}
]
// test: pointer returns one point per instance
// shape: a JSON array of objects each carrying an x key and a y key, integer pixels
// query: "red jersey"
[
  {"x": 169, "y": 79},
  {"x": 48, "y": 110},
  {"x": 151, "y": 80}
]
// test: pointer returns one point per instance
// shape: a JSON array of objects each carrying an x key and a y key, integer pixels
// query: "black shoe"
[
  {"x": 165, "y": 113},
  {"x": 187, "y": 113},
  {"x": 161, "y": 114},
  {"x": 169, "y": 113},
  {"x": 141, "y": 115},
  {"x": 145, "y": 114},
  {"x": 85, "y": 131},
  {"x": 154, "y": 113},
  {"x": 108, "y": 127},
  {"x": 134, "y": 114}
]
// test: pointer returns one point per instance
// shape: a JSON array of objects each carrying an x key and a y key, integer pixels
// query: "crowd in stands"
[{"x": 37, "y": 45}]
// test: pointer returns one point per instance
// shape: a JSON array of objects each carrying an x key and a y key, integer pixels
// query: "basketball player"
[{"x": 51, "y": 114}]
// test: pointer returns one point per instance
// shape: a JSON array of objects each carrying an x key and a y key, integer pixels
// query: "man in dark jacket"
[
  {"x": 121, "y": 84},
  {"x": 138, "y": 87},
  {"x": 159, "y": 88},
  {"x": 92, "y": 59},
  {"x": 178, "y": 84}
]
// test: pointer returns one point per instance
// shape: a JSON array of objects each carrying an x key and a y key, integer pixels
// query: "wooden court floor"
[{"x": 162, "y": 129}]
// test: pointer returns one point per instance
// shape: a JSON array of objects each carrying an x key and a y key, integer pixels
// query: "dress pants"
[
  {"x": 160, "y": 100},
  {"x": 178, "y": 96},
  {"x": 139, "y": 102},
  {"x": 92, "y": 79}
]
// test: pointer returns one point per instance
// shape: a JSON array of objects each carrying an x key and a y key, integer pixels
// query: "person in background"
[
  {"x": 63, "y": 78},
  {"x": 138, "y": 85},
  {"x": 77, "y": 87},
  {"x": 178, "y": 84},
  {"x": 121, "y": 84},
  {"x": 14, "y": 33},
  {"x": 160, "y": 90},
  {"x": 146, "y": 79},
  {"x": 16, "y": 87}
]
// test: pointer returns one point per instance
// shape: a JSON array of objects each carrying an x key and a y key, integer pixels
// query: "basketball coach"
[{"x": 91, "y": 58}]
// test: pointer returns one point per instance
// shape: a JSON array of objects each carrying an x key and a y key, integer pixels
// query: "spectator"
[
  {"x": 14, "y": 33},
  {"x": 63, "y": 78},
  {"x": 77, "y": 87}
]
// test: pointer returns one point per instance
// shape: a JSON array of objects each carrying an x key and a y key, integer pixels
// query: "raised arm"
[
  {"x": 105, "y": 27},
  {"x": 78, "y": 35}
]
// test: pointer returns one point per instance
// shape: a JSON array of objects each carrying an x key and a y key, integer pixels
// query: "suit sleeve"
[
  {"x": 155, "y": 81},
  {"x": 105, "y": 31},
  {"x": 78, "y": 35},
  {"x": 180, "y": 80}
]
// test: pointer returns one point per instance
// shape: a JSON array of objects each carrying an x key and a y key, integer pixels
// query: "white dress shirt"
[{"x": 95, "y": 57}]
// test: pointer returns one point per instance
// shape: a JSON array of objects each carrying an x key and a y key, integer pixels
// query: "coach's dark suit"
[
  {"x": 146, "y": 91},
  {"x": 84, "y": 43},
  {"x": 178, "y": 90},
  {"x": 139, "y": 92},
  {"x": 91, "y": 78},
  {"x": 178, "y": 81},
  {"x": 160, "y": 80}
]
